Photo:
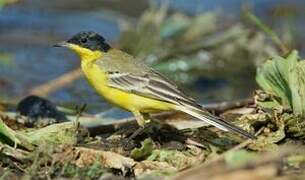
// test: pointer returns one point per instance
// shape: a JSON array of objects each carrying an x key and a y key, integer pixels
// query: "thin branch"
[{"x": 64, "y": 80}]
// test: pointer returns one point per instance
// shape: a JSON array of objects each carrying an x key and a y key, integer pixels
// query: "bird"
[{"x": 130, "y": 84}]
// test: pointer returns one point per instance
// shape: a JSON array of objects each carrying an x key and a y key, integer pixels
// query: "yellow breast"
[{"x": 128, "y": 101}]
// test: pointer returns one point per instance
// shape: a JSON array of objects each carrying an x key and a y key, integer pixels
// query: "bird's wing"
[
  {"x": 155, "y": 86},
  {"x": 139, "y": 79},
  {"x": 125, "y": 73},
  {"x": 150, "y": 84}
]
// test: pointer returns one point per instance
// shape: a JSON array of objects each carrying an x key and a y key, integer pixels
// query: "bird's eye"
[{"x": 83, "y": 40}]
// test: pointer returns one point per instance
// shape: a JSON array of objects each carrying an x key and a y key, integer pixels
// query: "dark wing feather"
[{"x": 152, "y": 85}]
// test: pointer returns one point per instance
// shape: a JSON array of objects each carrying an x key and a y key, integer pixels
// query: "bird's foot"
[
  {"x": 139, "y": 131},
  {"x": 129, "y": 142}
]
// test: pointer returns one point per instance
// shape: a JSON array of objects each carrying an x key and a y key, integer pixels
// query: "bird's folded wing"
[
  {"x": 155, "y": 86},
  {"x": 152, "y": 85}
]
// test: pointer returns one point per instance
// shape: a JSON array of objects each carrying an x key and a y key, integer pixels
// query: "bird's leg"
[
  {"x": 136, "y": 133},
  {"x": 142, "y": 120}
]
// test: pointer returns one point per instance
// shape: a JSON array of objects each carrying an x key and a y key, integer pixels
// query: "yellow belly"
[{"x": 125, "y": 100}]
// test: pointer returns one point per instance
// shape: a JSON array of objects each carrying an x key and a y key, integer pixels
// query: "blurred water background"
[{"x": 28, "y": 28}]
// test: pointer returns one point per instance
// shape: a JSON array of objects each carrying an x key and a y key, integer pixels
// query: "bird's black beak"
[{"x": 61, "y": 44}]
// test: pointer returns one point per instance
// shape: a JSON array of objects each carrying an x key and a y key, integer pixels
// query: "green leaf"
[
  {"x": 144, "y": 151},
  {"x": 61, "y": 133},
  {"x": 9, "y": 136},
  {"x": 296, "y": 160},
  {"x": 6, "y": 59},
  {"x": 239, "y": 158},
  {"x": 297, "y": 87},
  {"x": 285, "y": 78}
]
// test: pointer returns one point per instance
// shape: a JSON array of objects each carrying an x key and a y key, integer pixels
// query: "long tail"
[{"x": 213, "y": 120}]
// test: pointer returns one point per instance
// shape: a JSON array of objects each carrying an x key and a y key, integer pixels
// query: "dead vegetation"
[{"x": 175, "y": 146}]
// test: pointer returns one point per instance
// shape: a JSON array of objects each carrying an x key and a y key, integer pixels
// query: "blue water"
[
  {"x": 28, "y": 29},
  {"x": 28, "y": 34}
]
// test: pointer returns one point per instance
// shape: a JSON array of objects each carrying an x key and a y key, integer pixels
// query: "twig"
[
  {"x": 226, "y": 105},
  {"x": 55, "y": 84}
]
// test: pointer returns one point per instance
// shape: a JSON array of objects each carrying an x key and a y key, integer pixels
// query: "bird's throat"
[
  {"x": 90, "y": 56},
  {"x": 86, "y": 55}
]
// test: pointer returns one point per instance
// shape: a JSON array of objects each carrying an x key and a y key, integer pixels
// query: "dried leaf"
[
  {"x": 83, "y": 157},
  {"x": 268, "y": 142},
  {"x": 177, "y": 159},
  {"x": 294, "y": 125},
  {"x": 107, "y": 159},
  {"x": 147, "y": 167}
]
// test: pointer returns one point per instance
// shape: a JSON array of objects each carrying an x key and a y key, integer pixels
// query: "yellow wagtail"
[{"x": 133, "y": 86}]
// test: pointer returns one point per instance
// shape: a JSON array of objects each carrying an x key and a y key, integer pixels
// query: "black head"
[{"x": 90, "y": 40}]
